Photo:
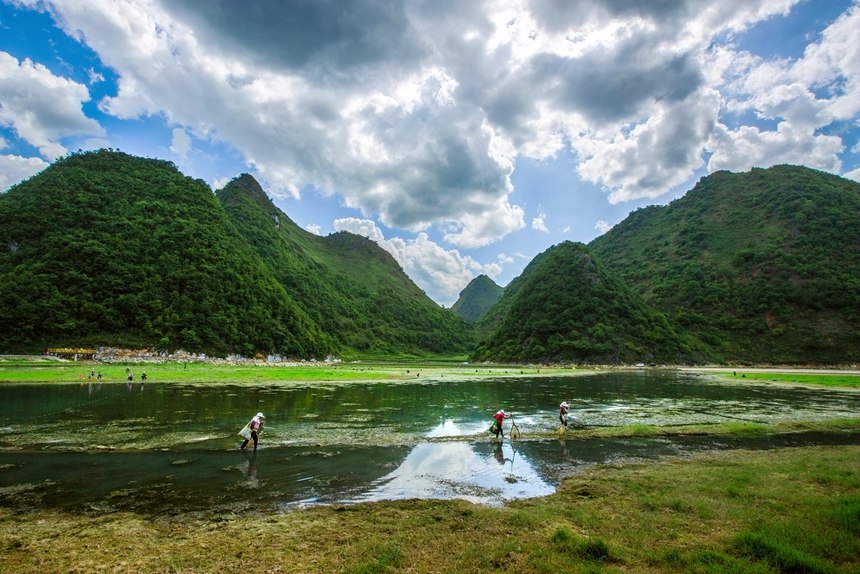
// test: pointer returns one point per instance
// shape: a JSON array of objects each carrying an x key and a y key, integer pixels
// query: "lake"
[{"x": 166, "y": 447}]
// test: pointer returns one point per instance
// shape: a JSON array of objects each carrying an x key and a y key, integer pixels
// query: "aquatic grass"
[{"x": 746, "y": 429}]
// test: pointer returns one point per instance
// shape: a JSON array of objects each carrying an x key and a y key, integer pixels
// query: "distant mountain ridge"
[
  {"x": 133, "y": 253},
  {"x": 107, "y": 248},
  {"x": 477, "y": 298},
  {"x": 353, "y": 289}
]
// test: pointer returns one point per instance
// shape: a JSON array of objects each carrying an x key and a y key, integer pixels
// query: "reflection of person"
[
  {"x": 500, "y": 455},
  {"x": 499, "y": 417},
  {"x": 563, "y": 408},
  {"x": 251, "y": 469},
  {"x": 255, "y": 426}
]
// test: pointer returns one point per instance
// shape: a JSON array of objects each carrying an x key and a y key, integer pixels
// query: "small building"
[{"x": 73, "y": 353}]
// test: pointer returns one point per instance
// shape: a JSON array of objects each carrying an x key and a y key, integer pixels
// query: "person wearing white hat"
[
  {"x": 499, "y": 417},
  {"x": 253, "y": 428},
  {"x": 563, "y": 408}
]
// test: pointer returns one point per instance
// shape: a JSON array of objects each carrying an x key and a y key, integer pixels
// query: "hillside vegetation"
[
  {"x": 477, "y": 298},
  {"x": 352, "y": 288},
  {"x": 107, "y": 248},
  {"x": 760, "y": 266},
  {"x": 103, "y": 248},
  {"x": 567, "y": 307}
]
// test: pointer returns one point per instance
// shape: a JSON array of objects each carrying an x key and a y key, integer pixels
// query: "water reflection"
[
  {"x": 170, "y": 448},
  {"x": 176, "y": 416},
  {"x": 488, "y": 472}
]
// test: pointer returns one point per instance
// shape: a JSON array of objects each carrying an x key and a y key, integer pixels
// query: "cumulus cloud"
[
  {"x": 602, "y": 226},
  {"x": 416, "y": 112},
  {"x": 14, "y": 169},
  {"x": 42, "y": 108},
  {"x": 802, "y": 97},
  {"x": 180, "y": 145},
  {"x": 539, "y": 222},
  {"x": 441, "y": 273}
]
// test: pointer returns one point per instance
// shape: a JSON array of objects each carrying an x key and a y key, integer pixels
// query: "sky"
[{"x": 463, "y": 137}]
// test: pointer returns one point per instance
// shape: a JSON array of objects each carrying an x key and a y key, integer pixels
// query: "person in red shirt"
[{"x": 499, "y": 417}]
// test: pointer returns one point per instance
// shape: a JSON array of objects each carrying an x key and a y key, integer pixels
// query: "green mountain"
[
  {"x": 476, "y": 299},
  {"x": 567, "y": 307},
  {"x": 107, "y": 248},
  {"x": 352, "y": 288},
  {"x": 762, "y": 266}
]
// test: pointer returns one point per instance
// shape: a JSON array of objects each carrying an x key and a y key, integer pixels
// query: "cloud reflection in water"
[{"x": 486, "y": 472}]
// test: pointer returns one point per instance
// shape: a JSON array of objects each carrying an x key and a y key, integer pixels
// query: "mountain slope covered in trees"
[
  {"x": 566, "y": 307},
  {"x": 107, "y": 248},
  {"x": 477, "y": 298},
  {"x": 761, "y": 266},
  {"x": 352, "y": 288}
]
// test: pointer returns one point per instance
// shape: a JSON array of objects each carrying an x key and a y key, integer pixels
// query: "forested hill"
[
  {"x": 477, "y": 298},
  {"x": 761, "y": 266},
  {"x": 566, "y": 307},
  {"x": 352, "y": 288},
  {"x": 107, "y": 248}
]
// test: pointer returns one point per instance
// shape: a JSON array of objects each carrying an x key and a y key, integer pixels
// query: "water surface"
[{"x": 164, "y": 447}]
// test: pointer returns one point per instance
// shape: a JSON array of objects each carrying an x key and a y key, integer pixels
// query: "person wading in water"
[{"x": 255, "y": 426}]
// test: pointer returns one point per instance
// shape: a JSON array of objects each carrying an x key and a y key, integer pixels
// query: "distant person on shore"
[
  {"x": 499, "y": 417},
  {"x": 252, "y": 430},
  {"x": 563, "y": 409}
]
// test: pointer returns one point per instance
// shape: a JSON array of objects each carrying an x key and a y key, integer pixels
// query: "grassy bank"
[
  {"x": 792, "y": 510},
  {"x": 52, "y": 371},
  {"x": 76, "y": 372},
  {"x": 822, "y": 379}
]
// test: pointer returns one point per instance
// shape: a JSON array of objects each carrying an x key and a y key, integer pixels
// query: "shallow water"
[{"x": 162, "y": 448}]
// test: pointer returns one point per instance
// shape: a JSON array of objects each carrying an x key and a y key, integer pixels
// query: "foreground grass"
[{"x": 792, "y": 510}]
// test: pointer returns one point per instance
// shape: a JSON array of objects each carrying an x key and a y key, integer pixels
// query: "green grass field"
[
  {"x": 825, "y": 379},
  {"x": 18, "y": 371}
]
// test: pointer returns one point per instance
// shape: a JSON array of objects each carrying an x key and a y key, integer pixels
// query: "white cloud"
[
  {"x": 415, "y": 113},
  {"x": 14, "y": 169},
  {"x": 180, "y": 145},
  {"x": 539, "y": 222},
  {"x": 220, "y": 182},
  {"x": 602, "y": 226},
  {"x": 441, "y": 273},
  {"x": 853, "y": 174},
  {"x": 42, "y": 108},
  {"x": 314, "y": 228},
  {"x": 802, "y": 97}
]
